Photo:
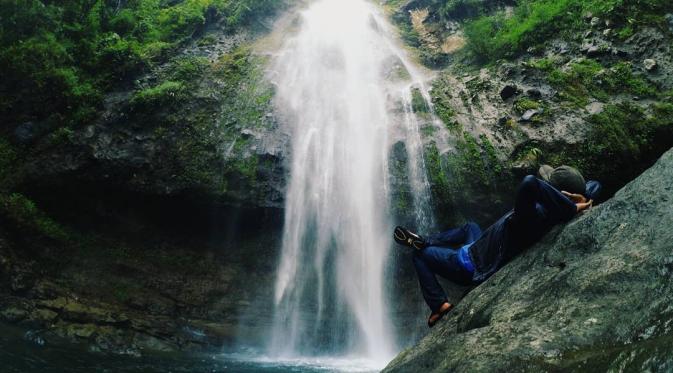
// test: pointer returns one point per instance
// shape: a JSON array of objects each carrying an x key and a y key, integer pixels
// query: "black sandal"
[{"x": 406, "y": 237}]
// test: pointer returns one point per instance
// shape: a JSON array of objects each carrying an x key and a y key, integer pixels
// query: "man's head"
[{"x": 564, "y": 178}]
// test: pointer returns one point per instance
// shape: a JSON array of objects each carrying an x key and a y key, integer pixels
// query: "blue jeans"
[{"x": 441, "y": 258}]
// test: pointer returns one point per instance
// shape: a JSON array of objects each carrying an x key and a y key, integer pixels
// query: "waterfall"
[{"x": 344, "y": 111}]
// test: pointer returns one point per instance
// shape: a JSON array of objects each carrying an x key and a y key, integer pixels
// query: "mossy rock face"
[
  {"x": 465, "y": 181},
  {"x": 566, "y": 303},
  {"x": 195, "y": 126}
]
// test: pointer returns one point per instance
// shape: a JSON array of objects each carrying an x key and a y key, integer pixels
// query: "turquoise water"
[{"x": 29, "y": 354}]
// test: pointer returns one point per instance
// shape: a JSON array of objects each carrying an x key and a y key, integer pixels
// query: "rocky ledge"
[{"x": 594, "y": 294}]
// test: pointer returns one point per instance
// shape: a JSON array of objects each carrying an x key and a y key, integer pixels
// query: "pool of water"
[{"x": 24, "y": 353}]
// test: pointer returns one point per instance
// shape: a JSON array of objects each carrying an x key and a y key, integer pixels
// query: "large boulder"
[{"x": 596, "y": 293}]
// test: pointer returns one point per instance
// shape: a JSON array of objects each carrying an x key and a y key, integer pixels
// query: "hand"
[{"x": 580, "y": 201}]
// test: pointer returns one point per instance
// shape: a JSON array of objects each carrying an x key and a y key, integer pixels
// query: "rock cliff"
[{"x": 593, "y": 294}]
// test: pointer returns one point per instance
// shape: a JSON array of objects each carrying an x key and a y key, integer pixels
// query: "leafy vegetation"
[
  {"x": 499, "y": 35},
  {"x": 622, "y": 141},
  {"x": 418, "y": 104},
  {"x": 25, "y": 215},
  {"x": 441, "y": 100},
  {"x": 580, "y": 80},
  {"x": 474, "y": 166},
  {"x": 59, "y": 58},
  {"x": 162, "y": 94}
]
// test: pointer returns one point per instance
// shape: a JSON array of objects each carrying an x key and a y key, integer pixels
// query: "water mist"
[{"x": 336, "y": 93}]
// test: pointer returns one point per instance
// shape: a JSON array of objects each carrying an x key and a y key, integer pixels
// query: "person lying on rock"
[{"x": 468, "y": 256}]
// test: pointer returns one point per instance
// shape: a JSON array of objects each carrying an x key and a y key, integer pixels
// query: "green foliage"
[
  {"x": 441, "y": 100},
  {"x": 58, "y": 58},
  {"x": 23, "y": 212},
  {"x": 621, "y": 143},
  {"x": 428, "y": 130},
  {"x": 620, "y": 78},
  {"x": 497, "y": 36},
  {"x": 187, "y": 69},
  {"x": 474, "y": 166},
  {"x": 621, "y": 132},
  {"x": 440, "y": 185},
  {"x": 491, "y": 155},
  {"x": 418, "y": 104},
  {"x": 460, "y": 9},
  {"x": 248, "y": 96},
  {"x": 523, "y": 104},
  {"x": 588, "y": 78},
  {"x": 544, "y": 64},
  {"x": 165, "y": 93}
]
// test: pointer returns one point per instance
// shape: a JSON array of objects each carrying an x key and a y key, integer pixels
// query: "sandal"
[
  {"x": 435, "y": 317},
  {"x": 406, "y": 237}
]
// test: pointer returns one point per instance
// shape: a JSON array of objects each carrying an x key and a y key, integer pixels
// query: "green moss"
[
  {"x": 621, "y": 142},
  {"x": 496, "y": 36},
  {"x": 428, "y": 130},
  {"x": 418, "y": 104},
  {"x": 625, "y": 32},
  {"x": 168, "y": 92},
  {"x": 491, "y": 155},
  {"x": 620, "y": 132},
  {"x": 187, "y": 69},
  {"x": 61, "y": 57},
  {"x": 546, "y": 64},
  {"x": 588, "y": 78},
  {"x": 441, "y": 101},
  {"x": 23, "y": 213},
  {"x": 247, "y": 167},
  {"x": 440, "y": 185},
  {"x": 523, "y": 104},
  {"x": 620, "y": 78},
  {"x": 455, "y": 176},
  {"x": 206, "y": 41}
]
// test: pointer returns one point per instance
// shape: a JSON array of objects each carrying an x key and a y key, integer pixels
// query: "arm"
[
  {"x": 532, "y": 191},
  {"x": 581, "y": 202}
]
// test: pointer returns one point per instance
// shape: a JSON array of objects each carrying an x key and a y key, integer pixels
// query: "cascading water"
[{"x": 335, "y": 92}]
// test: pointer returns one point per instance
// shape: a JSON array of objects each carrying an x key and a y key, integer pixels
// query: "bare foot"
[{"x": 443, "y": 310}]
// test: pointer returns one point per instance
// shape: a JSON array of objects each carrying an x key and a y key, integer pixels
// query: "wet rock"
[
  {"x": 505, "y": 121},
  {"x": 650, "y": 64},
  {"x": 13, "y": 314},
  {"x": 619, "y": 52},
  {"x": 22, "y": 279},
  {"x": 534, "y": 93},
  {"x": 567, "y": 303},
  {"x": 34, "y": 337},
  {"x": 508, "y": 91},
  {"x": 607, "y": 32},
  {"x": 669, "y": 18},
  {"x": 25, "y": 133},
  {"x": 593, "y": 49},
  {"x": 595, "y": 107},
  {"x": 529, "y": 114}
]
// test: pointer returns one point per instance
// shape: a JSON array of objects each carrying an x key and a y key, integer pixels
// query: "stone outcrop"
[{"x": 594, "y": 294}]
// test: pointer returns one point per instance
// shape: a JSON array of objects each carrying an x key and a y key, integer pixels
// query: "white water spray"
[{"x": 335, "y": 91}]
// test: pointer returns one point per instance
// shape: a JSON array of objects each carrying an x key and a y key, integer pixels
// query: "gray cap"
[{"x": 563, "y": 178}]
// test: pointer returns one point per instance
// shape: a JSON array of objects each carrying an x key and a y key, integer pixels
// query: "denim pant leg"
[
  {"x": 441, "y": 261},
  {"x": 466, "y": 234}
]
